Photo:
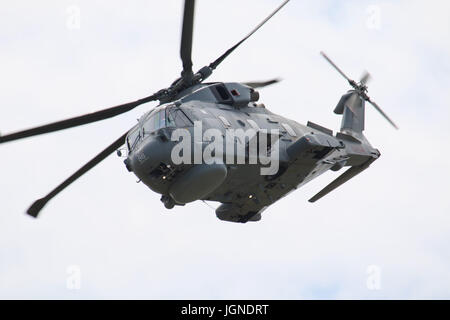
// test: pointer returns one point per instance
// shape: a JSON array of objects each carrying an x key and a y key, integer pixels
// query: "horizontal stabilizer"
[{"x": 343, "y": 178}]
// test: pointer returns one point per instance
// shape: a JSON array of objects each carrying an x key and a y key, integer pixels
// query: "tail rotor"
[{"x": 360, "y": 90}]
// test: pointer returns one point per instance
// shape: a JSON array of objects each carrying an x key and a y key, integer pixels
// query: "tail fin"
[{"x": 352, "y": 107}]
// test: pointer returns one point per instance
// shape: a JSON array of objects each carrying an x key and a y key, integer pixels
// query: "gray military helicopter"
[{"x": 302, "y": 152}]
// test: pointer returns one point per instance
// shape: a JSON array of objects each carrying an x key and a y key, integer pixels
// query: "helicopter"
[{"x": 253, "y": 157}]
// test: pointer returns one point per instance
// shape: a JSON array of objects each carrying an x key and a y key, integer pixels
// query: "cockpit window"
[
  {"x": 161, "y": 117},
  {"x": 170, "y": 121},
  {"x": 177, "y": 118},
  {"x": 133, "y": 138},
  {"x": 154, "y": 122},
  {"x": 170, "y": 116}
]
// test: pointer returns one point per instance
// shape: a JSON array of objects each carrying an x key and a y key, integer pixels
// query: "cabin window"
[{"x": 289, "y": 129}]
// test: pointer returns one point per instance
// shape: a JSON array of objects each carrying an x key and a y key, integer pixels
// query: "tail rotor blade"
[
  {"x": 365, "y": 78},
  {"x": 336, "y": 67},
  {"x": 382, "y": 113},
  {"x": 37, "y": 206}
]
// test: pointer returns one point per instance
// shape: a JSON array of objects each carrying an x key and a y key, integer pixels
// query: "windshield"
[
  {"x": 133, "y": 138},
  {"x": 162, "y": 117},
  {"x": 170, "y": 116},
  {"x": 155, "y": 121}
]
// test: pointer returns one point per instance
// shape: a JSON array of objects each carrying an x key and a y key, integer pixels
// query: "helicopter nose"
[{"x": 148, "y": 155}]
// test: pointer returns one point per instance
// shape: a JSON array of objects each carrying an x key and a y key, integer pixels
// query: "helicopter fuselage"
[
  {"x": 301, "y": 152},
  {"x": 213, "y": 141}
]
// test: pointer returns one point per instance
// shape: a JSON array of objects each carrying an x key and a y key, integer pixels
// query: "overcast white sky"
[{"x": 395, "y": 216}]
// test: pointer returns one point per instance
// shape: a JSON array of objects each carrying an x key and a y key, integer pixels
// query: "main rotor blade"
[
  {"x": 37, "y": 206},
  {"x": 219, "y": 60},
  {"x": 377, "y": 107},
  {"x": 186, "y": 37},
  {"x": 335, "y": 66},
  {"x": 77, "y": 121},
  {"x": 260, "y": 84}
]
